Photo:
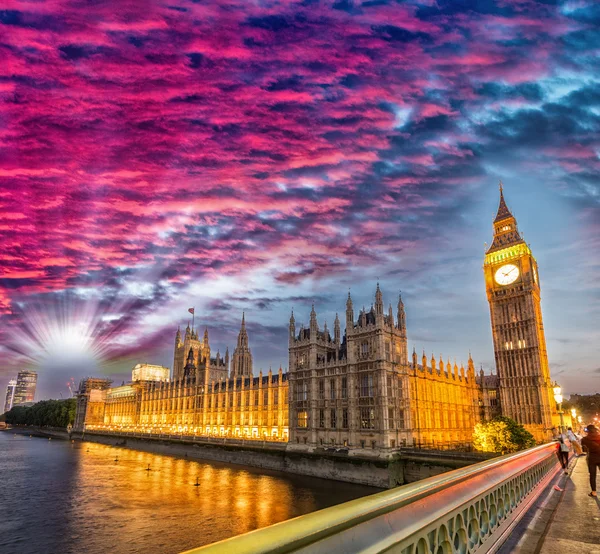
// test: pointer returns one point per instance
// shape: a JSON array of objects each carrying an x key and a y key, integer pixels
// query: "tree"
[
  {"x": 47, "y": 413},
  {"x": 501, "y": 435}
]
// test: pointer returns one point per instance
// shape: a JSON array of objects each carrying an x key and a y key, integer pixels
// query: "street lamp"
[{"x": 559, "y": 398}]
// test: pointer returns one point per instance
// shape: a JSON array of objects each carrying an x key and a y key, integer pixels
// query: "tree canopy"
[
  {"x": 47, "y": 413},
  {"x": 501, "y": 435}
]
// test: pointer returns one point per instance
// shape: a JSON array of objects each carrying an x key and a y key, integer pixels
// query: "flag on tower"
[{"x": 191, "y": 310}]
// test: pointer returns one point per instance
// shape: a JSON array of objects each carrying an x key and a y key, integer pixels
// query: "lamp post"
[
  {"x": 558, "y": 398},
  {"x": 573, "y": 417}
]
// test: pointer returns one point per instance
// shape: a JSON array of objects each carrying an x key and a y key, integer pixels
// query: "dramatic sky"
[{"x": 261, "y": 155}]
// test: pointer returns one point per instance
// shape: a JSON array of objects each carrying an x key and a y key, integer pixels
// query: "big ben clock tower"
[{"x": 513, "y": 291}]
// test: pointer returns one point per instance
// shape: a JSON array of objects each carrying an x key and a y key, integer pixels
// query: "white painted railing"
[{"x": 464, "y": 511}]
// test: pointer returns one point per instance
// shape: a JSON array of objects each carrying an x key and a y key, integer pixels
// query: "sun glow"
[
  {"x": 64, "y": 337},
  {"x": 73, "y": 340}
]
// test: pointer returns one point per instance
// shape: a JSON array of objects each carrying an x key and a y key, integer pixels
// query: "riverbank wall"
[{"x": 401, "y": 468}]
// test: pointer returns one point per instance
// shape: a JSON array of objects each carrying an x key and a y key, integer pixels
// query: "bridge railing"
[{"x": 467, "y": 510}]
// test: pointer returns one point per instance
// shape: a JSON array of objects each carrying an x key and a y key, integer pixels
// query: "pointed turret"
[
  {"x": 471, "y": 366},
  {"x": 241, "y": 361},
  {"x": 414, "y": 358},
  {"x": 506, "y": 231},
  {"x": 336, "y": 330},
  {"x": 292, "y": 327},
  {"x": 188, "y": 332},
  {"x": 390, "y": 316},
  {"x": 227, "y": 357},
  {"x": 424, "y": 360},
  {"x": 378, "y": 301},
  {"x": 205, "y": 336},
  {"x": 401, "y": 316},
  {"x": 503, "y": 211},
  {"x": 313, "y": 322},
  {"x": 178, "y": 338},
  {"x": 349, "y": 314}
]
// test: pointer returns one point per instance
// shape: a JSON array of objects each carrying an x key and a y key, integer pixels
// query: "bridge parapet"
[{"x": 467, "y": 510}]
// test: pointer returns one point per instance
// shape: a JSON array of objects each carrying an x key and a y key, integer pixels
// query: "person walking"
[
  {"x": 563, "y": 452},
  {"x": 591, "y": 445},
  {"x": 574, "y": 442}
]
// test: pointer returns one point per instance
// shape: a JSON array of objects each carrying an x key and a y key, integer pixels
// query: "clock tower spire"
[{"x": 514, "y": 295}]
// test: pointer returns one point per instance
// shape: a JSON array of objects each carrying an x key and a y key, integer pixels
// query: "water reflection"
[{"x": 81, "y": 500}]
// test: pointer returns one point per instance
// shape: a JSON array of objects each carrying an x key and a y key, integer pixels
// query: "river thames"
[{"x": 62, "y": 497}]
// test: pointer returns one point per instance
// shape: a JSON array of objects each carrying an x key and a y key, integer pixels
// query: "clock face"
[{"x": 507, "y": 274}]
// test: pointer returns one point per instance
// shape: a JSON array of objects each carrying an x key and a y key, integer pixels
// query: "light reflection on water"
[{"x": 60, "y": 497}]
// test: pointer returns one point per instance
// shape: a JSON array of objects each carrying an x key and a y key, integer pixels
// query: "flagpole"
[{"x": 193, "y": 317}]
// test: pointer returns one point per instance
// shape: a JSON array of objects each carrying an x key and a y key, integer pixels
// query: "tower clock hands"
[{"x": 507, "y": 274}]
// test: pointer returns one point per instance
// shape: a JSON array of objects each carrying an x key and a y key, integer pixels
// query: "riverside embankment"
[{"x": 404, "y": 467}]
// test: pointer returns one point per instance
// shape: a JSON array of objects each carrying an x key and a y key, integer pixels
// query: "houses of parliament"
[{"x": 358, "y": 389}]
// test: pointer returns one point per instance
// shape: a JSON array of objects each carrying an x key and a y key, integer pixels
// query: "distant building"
[
  {"x": 25, "y": 388},
  {"x": 149, "y": 372},
  {"x": 10, "y": 395},
  {"x": 91, "y": 398}
]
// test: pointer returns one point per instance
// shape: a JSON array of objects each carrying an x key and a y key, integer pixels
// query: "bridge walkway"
[{"x": 566, "y": 522}]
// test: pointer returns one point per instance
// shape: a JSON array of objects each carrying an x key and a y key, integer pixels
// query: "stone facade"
[
  {"x": 194, "y": 402},
  {"x": 358, "y": 392},
  {"x": 241, "y": 362},
  {"x": 361, "y": 392},
  {"x": 206, "y": 369},
  {"x": 514, "y": 294}
]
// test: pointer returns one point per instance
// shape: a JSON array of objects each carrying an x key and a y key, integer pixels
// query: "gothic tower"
[
  {"x": 241, "y": 362},
  {"x": 189, "y": 369},
  {"x": 513, "y": 292}
]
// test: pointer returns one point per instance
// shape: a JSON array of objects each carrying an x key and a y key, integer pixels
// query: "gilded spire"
[
  {"x": 506, "y": 232},
  {"x": 503, "y": 211}
]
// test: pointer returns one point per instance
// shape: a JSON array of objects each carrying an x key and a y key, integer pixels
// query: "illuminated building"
[
  {"x": 10, "y": 395},
  {"x": 514, "y": 294},
  {"x": 206, "y": 369},
  {"x": 25, "y": 387},
  {"x": 489, "y": 396},
  {"x": 149, "y": 372},
  {"x": 91, "y": 398},
  {"x": 362, "y": 392},
  {"x": 242, "y": 405}
]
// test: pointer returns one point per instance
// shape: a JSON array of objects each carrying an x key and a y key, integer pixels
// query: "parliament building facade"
[{"x": 360, "y": 390}]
